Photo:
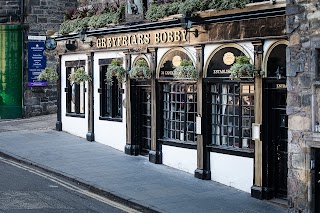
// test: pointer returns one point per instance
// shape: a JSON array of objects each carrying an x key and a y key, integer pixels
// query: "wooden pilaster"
[
  {"x": 130, "y": 148},
  {"x": 203, "y": 170},
  {"x": 59, "y": 123},
  {"x": 155, "y": 154},
  {"x": 257, "y": 189},
  {"x": 90, "y": 134}
]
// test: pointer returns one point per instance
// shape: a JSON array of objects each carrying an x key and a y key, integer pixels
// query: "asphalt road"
[{"x": 27, "y": 190}]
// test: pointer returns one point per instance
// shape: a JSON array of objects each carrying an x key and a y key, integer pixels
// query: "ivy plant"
[
  {"x": 140, "y": 70},
  {"x": 115, "y": 69},
  {"x": 243, "y": 68},
  {"x": 48, "y": 74},
  {"x": 78, "y": 76},
  {"x": 186, "y": 70}
]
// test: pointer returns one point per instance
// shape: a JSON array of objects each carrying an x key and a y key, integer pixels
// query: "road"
[{"x": 24, "y": 189}]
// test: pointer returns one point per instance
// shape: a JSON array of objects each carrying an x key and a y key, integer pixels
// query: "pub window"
[
  {"x": 75, "y": 95},
  {"x": 232, "y": 114},
  {"x": 110, "y": 97},
  {"x": 179, "y": 112}
]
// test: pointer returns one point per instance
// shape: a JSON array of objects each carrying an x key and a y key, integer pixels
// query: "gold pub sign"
[{"x": 142, "y": 39}]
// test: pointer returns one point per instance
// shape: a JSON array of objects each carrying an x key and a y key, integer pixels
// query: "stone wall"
[
  {"x": 41, "y": 16},
  {"x": 9, "y": 9},
  {"x": 303, "y": 28}
]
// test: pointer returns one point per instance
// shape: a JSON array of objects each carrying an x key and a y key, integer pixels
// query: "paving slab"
[{"x": 132, "y": 178}]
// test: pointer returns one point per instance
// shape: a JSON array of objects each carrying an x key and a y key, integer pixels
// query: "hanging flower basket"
[
  {"x": 78, "y": 76},
  {"x": 115, "y": 69},
  {"x": 186, "y": 70},
  {"x": 141, "y": 70},
  {"x": 243, "y": 68},
  {"x": 48, "y": 74}
]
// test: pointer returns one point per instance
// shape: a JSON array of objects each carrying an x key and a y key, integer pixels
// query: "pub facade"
[{"x": 230, "y": 130}]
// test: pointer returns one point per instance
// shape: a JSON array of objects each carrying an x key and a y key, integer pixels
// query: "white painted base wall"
[
  {"x": 180, "y": 158},
  {"x": 110, "y": 133},
  {"x": 75, "y": 126},
  {"x": 232, "y": 170}
]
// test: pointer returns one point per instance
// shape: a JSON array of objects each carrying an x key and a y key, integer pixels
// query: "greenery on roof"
[
  {"x": 92, "y": 17},
  {"x": 103, "y": 14},
  {"x": 157, "y": 11}
]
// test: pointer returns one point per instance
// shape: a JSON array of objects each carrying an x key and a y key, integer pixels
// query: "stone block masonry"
[
  {"x": 303, "y": 28},
  {"x": 43, "y": 15}
]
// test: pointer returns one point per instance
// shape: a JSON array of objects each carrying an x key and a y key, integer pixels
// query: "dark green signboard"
[{"x": 10, "y": 71}]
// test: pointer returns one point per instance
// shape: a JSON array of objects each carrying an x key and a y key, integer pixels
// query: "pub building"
[{"x": 233, "y": 131}]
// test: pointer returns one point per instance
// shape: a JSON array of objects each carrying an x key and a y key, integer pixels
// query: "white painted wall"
[
  {"x": 180, "y": 158},
  {"x": 232, "y": 170},
  {"x": 73, "y": 125},
  {"x": 111, "y": 133}
]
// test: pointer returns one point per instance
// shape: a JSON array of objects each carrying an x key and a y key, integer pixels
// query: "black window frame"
[
  {"x": 178, "y": 112},
  {"x": 239, "y": 139},
  {"x": 110, "y": 97},
  {"x": 77, "y": 97}
]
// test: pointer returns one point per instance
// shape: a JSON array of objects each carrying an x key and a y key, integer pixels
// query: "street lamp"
[
  {"x": 186, "y": 24},
  {"x": 83, "y": 37}
]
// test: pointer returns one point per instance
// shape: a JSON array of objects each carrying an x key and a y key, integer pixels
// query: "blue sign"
[{"x": 37, "y": 62}]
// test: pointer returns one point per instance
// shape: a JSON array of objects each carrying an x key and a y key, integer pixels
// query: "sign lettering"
[
  {"x": 142, "y": 39},
  {"x": 281, "y": 86},
  {"x": 37, "y": 62},
  {"x": 221, "y": 72}
]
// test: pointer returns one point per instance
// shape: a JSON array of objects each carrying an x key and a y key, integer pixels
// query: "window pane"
[
  {"x": 81, "y": 97},
  {"x": 232, "y": 114},
  {"x": 73, "y": 98},
  {"x": 75, "y": 95},
  {"x": 111, "y": 96},
  {"x": 179, "y": 111}
]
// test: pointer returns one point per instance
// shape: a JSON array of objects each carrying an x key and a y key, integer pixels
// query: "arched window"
[
  {"x": 230, "y": 103},
  {"x": 179, "y": 100}
]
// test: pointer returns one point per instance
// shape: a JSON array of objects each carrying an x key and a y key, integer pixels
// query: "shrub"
[{"x": 156, "y": 11}]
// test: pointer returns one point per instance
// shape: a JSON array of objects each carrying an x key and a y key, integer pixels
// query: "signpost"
[{"x": 36, "y": 62}]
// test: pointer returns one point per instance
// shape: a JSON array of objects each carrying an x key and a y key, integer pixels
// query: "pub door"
[
  {"x": 141, "y": 117},
  {"x": 276, "y": 129}
]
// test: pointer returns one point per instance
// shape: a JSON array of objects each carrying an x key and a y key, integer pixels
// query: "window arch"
[
  {"x": 221, "y": 59},
  {"x": 274, "y": 63},
  {"x": 171, "y": 59}
]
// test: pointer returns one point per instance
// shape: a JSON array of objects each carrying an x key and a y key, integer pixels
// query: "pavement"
[{"x": 112, "y": 173}]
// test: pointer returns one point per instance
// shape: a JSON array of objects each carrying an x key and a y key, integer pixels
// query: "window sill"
[
  {"x": 176, "y": 143},
  {"x": 75, "y": 115},
  {"x": 110, "y": 119},
  {"x": 231, "y": 151}
]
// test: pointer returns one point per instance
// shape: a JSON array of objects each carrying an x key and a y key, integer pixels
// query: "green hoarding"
[{"x": 10, "y": 71}]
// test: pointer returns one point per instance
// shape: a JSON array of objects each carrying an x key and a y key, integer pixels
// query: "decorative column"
[
  {"x": 130, "y": 148},
  {"x": 257, "y": 188},
  {"x": 203, "y": 170},
  {"x": 90, "y": 134},
  {"x": 59, "y": 123},
  {"x": 155, "y": 154}
]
